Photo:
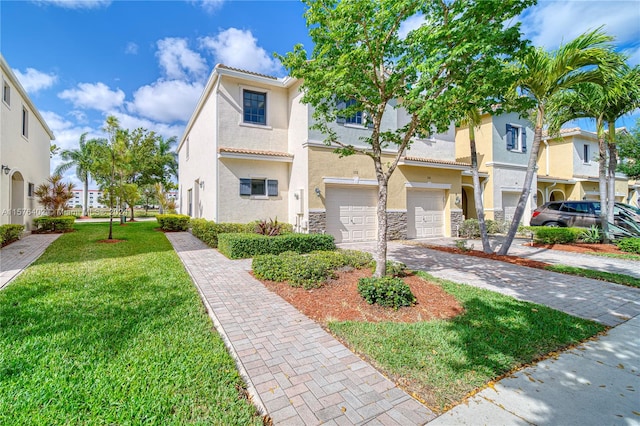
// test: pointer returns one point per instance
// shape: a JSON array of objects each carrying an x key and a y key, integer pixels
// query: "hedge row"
[
  {"x": 173, "y": 222},
  {"x": 54, "y": 223},
  {"x": 629, "y": 245},
  {"x": 554, "y": 235},
  {"x": 9, "y": 233},
  {"x": 307, "y": 270},
  {"x": 243, "y": 245},
  {"x": 208, "y": 230}
]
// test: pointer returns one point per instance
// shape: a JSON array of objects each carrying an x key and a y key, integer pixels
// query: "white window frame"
[{"x": 517, "y": 146}]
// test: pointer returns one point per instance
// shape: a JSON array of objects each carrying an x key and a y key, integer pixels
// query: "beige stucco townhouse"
[
  {"x": 25, "y": 141},
  {"x": 248, "y": 153},
  {"x": 568, "y": 169}
]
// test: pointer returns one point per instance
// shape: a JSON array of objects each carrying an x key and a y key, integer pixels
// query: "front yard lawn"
[
  {"x": 113, "y": 333},
  {"x": 442, "y": 361}
]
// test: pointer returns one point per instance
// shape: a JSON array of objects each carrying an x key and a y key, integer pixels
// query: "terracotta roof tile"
[
  {"x": 254, "y": 152},
  {"x": 434, "y": 161}
]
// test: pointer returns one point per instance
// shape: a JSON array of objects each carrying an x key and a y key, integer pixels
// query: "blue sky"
[{"x": 147, "y": 62}]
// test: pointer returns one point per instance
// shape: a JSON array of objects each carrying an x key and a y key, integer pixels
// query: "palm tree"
[
  {"x": 83, "y": 158},
  {"x": 544, "y": 74},
  {"x": 605, "y": 102}
]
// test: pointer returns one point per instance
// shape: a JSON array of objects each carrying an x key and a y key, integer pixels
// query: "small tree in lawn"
[
  {"x": 130, "y": 195},
  {"x": 54, "y": 194},
  {"x": 363, "y": 63}
]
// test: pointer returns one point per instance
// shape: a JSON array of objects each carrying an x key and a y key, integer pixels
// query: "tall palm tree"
[
  {"x": 616, "y": 95},
  {"x": 544, "y": 74},
  {"x": 83, "y": 158}
]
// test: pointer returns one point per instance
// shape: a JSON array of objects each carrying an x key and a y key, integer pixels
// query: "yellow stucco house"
[
  {"x": 248, "y": 153},
  {"x": 568, "y": 169}
]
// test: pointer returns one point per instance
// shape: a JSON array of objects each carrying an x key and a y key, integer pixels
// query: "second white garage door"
[
  {"x": 425, "y": 213},
  {"x": 351, "y": 213}
]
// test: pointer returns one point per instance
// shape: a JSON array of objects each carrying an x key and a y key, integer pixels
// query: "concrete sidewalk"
[
  {"x": 296, "y": 372},
  {"x": 15, "y": 257}
]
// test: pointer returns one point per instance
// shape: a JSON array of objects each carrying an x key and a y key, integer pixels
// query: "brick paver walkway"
[
  {"x": 15, "y": 257},
  {"x": 609, "y": 304},
  {"x": 295, "y": 371}
]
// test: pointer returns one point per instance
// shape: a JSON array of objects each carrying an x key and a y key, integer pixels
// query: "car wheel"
[{"x": 553, "y": 224}]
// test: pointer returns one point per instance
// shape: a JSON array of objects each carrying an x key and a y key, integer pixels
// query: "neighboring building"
[
  {"x": 502, "y": 146},
  {"x": 94, "y": 199},
  {"x": 25, "y": 141},
  {"x": 568, "y": 169},
  {"x": 248, "y": 153}
]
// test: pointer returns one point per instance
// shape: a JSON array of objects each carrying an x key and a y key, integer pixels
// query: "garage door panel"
[
  {"x": 351, "y": 213},
  {"x": 425, "y": 214}
]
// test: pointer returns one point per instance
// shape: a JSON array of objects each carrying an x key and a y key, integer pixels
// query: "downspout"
[{"x": 215, "y": 150}]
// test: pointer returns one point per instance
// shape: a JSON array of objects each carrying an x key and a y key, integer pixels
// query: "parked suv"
[{"x": 580, "y": 214}]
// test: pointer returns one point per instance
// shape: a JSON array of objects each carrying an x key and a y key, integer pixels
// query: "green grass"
[
  {"x": 625, "y": 256},
  {"x": 596, "y": 275},
  {"x": 442, "y": 361},
  {"x": 96, "y": 333}
]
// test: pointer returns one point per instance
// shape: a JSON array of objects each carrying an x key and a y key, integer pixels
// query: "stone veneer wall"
[
  {"x": 396, "y": 225},
  {"x": 456, "y": 221},
  {"x": 498, "y": 215},
  {"x": 317, "y": 222}
]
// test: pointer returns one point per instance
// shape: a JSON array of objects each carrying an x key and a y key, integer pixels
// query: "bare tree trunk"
[
  {"x": 85, "y": 201},
  {"x": 132, "y": 215},
  {"x": 526, "y": 187},
  {"x": 381, "y": 251},
  {"x": 602, "y": 182},
  {"x": 477, "y": 192},
  {"x": 613, "y": 165}
]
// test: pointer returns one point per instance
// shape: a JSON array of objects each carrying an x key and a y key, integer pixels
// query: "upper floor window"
[
  {"x": 6, "y": 93},
  {"x": 254, "y": 107},
  {"x": 357, "y": 117},
  {"x": 25, "y": 122},
  {"x": 516, "y": 138},
  {"x": 586, "y": 155}
]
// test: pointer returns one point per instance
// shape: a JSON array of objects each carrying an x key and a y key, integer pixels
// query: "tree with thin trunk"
[
  {"x": 83, "y": 158},
  {"x": 616, "y": 95},
  {"x": 364, "y": 65},
  {"x": 473, "y": 120},
  {"x": 543, "y": 75}
]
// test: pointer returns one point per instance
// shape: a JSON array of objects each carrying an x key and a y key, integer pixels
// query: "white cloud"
[
  {"x": 210, "y": 6},
  {"x": 34, "y": 80},
  {"x": 410, "y": 24},
  {"x": 75, "y": 4},
  {"x": 552, "y": 22},
  {"x": 178, "y": 61},
  {"x": 239, "y": 49},
  {"x": 634, "y": 55},
  {"x": 166, "y": 101},
  {"x": 94, "y": 96},
  {"x": 131, "y": 49},
  {"x": 133, "y": 122}
]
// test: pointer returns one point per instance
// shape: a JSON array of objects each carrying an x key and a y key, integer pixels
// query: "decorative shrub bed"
[
  {"x": 10, "y": 233},
  {"x": 173, "y": 222},
  {"x": 208, "y": 230},
  {"x": 309, "y": 270},
  {"x": 54, "y": 224},
  {"x": 243, "y": 245},
  {"x": 553, "y": 235},
  {"x": 386, "y": 291},
  {"x": 629, "y": 245}
]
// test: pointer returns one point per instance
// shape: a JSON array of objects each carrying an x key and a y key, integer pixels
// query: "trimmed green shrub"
[
  {"x": 173, "y": 222},
  {"x": 208, "y": 230},
  {"x": 553, "y": 235},
  {"x": 470, "y": 228},
  {"x": 386, "y": 291},
  {"x": 10, "y": 232},
  {"x": 394, "y": 269},
  {"x": 243, "y": 245},
  {"x": 356, "y": 258},
  {"x": 54, "y": 224},
  {"x": 629, "y": 245}
]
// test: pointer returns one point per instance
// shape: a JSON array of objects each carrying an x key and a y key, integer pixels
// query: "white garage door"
[
  {"x": 425, "y": 213},
  {"x": 351, "y": 213},
  {"x": 509, "y": 203}
]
